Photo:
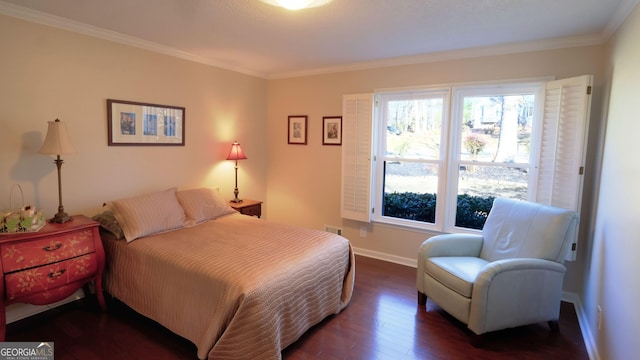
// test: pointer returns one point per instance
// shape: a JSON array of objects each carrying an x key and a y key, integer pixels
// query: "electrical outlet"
[{"x": 599, "y": 317}]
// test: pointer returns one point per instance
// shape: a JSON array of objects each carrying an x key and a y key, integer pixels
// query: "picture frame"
[
  {"x": 297, "y": 131},
  {"x": 133, "y": 123},
  {"x": 332, "y": 130}
]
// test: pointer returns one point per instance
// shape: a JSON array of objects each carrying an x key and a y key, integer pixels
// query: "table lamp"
[
  {"x": 57, "y": 143},
  {"x": 236, "y": 154}
]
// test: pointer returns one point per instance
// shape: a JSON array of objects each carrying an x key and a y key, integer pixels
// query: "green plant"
[
  {"x": 402, "y": 148},
  {"x": 471, "y": 211},
  {"x": 410, "y": 206}
]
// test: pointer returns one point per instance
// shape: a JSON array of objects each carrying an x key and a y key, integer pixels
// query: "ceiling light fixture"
[
  {"x": 297, "y": 4},
  {"x": 294, "y": 4}
]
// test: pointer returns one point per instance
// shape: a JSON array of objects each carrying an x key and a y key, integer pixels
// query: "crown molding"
[
  {"x": 93, "y": 31},
  {"x": 513, "y": 48},
  {"x": 623, "y": 11}
]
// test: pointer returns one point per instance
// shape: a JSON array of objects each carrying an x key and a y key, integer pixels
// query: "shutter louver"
[
  {"x": 562, "y": 150},
  {"x": 357, "y": 124},
  {"x": 548, "y": 146}
]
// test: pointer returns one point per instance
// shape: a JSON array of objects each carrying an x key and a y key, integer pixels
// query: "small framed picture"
[
  {"x": 332, "y": 130},
  {"x": 136, "y": 123},
  {"x": 298, "y": 129}
]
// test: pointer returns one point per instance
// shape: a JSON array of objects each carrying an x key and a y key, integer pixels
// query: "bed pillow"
[
  {"x": 108, "y": 222},
  {"x": 148, "y": 214},
  {"x": 203, "y": 204}
]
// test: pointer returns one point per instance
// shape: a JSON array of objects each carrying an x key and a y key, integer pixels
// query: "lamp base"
[
  {"x": 235, "y": 191},
  {"x": 60, "y": 217}
]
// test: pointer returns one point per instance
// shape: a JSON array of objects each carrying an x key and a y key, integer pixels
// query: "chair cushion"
[
  {"x": 455, "y": 272},
  {"x": 522, "y": 229}
]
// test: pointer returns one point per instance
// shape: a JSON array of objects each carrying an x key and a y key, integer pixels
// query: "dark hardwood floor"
[{"x": 383, "y": 321}]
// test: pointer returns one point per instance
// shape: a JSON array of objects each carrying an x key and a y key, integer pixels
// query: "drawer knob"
[
  {"x": 52, "y": 248},
  {"x": 57, "y": 274}
]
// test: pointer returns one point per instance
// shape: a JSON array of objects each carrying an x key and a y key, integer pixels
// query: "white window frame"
[
  {"x": 450, "y": 157},
  {"x": 380, "y": 135},
  {"x": 455, "y": 156},
  {"x": 558, "y": 173}
]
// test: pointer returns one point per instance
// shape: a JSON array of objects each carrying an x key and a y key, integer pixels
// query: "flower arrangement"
[
  {"x": 474, "y": 144},
  {"x": 23, "y": 219}
]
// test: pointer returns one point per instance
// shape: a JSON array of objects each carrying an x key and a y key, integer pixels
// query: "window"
[
  {"x": 492, "y": 154},
  {"x": 429, "y": 156},
  {"x": 412, "y": 144},
  {"x": 435, "y": 158}
]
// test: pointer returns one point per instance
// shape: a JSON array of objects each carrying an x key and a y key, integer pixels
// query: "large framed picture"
[
  {"x": 134, "y": 123},
  {"x": 297, "y": 129},
  {"x": 332, "y": 130}
]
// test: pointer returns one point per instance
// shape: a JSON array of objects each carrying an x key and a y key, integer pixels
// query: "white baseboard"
[
  {"x": 19, "y": 311},
  {"x": 386, "y": 257},
  {"x": 587, "y": 336}
]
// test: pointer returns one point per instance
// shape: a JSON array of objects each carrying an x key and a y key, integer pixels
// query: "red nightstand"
[{"x": 49, "y": 265}]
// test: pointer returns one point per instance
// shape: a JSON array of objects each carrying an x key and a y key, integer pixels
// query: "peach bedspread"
[{"x": 238, "y": 287}]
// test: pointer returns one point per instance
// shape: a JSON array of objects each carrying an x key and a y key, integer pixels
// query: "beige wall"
[
  {"x": 304, "y": 181},
  {"x": 611, "y": 273},
  {"x": 48, "y": 73}
]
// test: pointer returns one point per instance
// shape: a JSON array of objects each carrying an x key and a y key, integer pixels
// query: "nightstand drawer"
[
  {"x": 45, "y": 278},
  {"x": 28, "y": 254},
  {"x": 248, "y": 207},
  {"x": 254, "y": 210}
]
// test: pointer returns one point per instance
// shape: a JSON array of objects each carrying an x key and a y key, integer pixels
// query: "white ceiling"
[{"x": 256, "y": 38}]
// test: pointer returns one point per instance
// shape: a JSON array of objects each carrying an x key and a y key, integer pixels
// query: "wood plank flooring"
[{"x": 383, "y": 321}]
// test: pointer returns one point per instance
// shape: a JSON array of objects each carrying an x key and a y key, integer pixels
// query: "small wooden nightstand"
[
  {"x": 248, "y": 207},
  {"x": 51, "y": 264}
]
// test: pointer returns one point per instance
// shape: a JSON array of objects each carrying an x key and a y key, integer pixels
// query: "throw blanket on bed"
[{"x": 238, "y": 287}]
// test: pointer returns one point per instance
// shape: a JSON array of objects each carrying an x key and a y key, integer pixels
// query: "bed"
[{"x": 236, "y": 286}]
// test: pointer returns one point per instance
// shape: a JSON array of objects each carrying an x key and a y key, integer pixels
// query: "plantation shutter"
[
  {"x": 563, "y": 145},
  {"x": 357, "y": 126}
]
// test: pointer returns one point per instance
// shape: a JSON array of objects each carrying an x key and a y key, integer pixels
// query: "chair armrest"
[
  {"x": 451, "y": 245},
  {"x": 446, "y": 245},
  {"x": 514, "y": 292},
  {"x": 497, "y": 267}
]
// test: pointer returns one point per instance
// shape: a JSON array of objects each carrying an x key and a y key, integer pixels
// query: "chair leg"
[
  {"x": 554, "y": 326},
  {"x": 422, "y": 298}
]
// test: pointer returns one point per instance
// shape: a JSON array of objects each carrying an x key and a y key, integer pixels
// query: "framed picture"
[
  {"x": 298, "y": 129},
  {"x": 135, "y": 123},
  {"x": 332, "y": 130}
]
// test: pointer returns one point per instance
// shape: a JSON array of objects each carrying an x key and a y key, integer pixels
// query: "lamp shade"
[
  {"x": 57, "y": 141},
  {"x": 236, "y": 152}
]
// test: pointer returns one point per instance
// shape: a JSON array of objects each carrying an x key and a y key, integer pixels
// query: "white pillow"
[
  {"x": 148, "y": 214},
  {"x": 203, "y": 204}
]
